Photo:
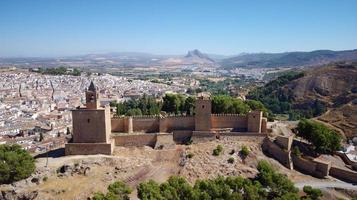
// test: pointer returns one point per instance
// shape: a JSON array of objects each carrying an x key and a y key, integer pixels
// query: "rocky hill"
[
  {"x": 288, "y": 59},
  {"x": 330, "y": 91}
]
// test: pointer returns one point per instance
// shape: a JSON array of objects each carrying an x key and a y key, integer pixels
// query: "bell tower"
[{"x": 92, "y": 97}]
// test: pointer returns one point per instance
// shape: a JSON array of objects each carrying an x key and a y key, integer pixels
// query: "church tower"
[{"x": 92, "y": 97}]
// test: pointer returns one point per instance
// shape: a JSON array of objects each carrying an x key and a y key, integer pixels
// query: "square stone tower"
[
  {"x": 91, "y": 127},
  {"x": 203, "y": 110}
]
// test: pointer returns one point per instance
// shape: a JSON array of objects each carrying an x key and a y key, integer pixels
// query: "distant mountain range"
[
  {"x": 288, "y": 59},
  {"x": 124, "y": 59}
]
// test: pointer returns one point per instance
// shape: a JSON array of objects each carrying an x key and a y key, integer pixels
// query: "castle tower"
[
  {"x": 203, "y": 113},
  {"x": 92, "y": 97},
  {"x": 91, "y": 127}
]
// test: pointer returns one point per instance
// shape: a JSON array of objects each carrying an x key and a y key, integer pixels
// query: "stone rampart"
[
  {"x": 146, "y": 124},
  {"x": 182, "y": 136},
  {"x": 315, "y": 168},
  {"x": 171, "y": 123},
  {"x": 343, "y": 174},
  {"x": 118, "y": 124},
  {"x": 272, "y": 149},
  {"x": 164, "y": 140},
  {"x": 234, "y": 121},
  {"x": 135, "y": 140}
]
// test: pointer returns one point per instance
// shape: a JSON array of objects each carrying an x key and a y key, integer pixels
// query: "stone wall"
[
  {"x": 118, "y": 124},
  {"x": 284, "y": 142},
  {"x": 146, "y": 124},
  {"x": 173, "y": 123},
  {"x": 89, "y": 148},
  {"x": 272, "y": 149},
  {"x": 136, "y": 140},
  {"x": 234, "y": 121},
  {"x": 182, "y": 136},
  {"x": 164, "y": 140},
  {"x": 343, "y": 174},
  {"x": 315, "y": 168}
]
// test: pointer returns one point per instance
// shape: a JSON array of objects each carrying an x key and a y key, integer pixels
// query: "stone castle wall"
[
  {"x": 182, "y": 136},
  {"x": 311, "y": 167},
  {"x": 118, "y": 124},
  {"x": 135, "y": 140},
  {"x": 233, "y": 121},
  {"x": 146, "y": 124},
  {"x": 343, "y": 174},
  {"x": 171, "y": 123},
  {"x": 272, "y": 149}
]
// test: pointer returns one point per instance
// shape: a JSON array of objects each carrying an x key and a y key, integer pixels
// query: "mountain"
[
  {"x": 288, "y": 59},
  {"x": 192, "y": 57},
  {"x": 328, "y": 93}
]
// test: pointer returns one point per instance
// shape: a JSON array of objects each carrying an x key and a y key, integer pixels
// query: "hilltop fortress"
[{"x": 96, "y": 132}]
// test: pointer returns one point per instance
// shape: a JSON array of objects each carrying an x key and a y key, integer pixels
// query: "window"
[
  {"x": 88, "y": 120},
  {"x": 203, "y": 106}
]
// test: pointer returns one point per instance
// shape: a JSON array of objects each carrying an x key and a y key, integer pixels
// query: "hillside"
[
  {"x": 331, "y": 88},
  {"x": 288, "y": 59}
]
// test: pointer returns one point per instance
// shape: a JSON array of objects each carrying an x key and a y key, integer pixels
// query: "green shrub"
[
  {"x": 312, "y": 193},
  {"x": 231, "y": 160},
  {"x": 296, "y": 151},
  {"x": 45, "y": 178},
  {"x": 244, "y": 152},
  {"x": 217, "y": 151},
  {"x": 189, "y": 155},
  {"x": 15, "y": 163},
  {"x": 220, "y": 148}
]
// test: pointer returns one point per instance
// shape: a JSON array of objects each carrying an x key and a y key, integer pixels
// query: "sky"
[{"x": 228, "y": 27}]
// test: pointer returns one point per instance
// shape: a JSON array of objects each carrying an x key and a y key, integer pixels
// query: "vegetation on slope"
[
  {"x": 280, "y": 99},
  {"x": 268, "y": 184},
  {"x": 324, "y": 139},
  {"x": 15, "y": 163}
]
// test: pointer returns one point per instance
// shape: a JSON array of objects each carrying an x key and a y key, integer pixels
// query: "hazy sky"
[{"x": 70, "y": 27}]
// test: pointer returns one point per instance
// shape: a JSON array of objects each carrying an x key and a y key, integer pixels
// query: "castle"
[{"x": 96, "y": 132}]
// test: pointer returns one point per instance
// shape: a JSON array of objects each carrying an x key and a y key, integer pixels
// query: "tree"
[
  {"x": 134, "y": 112},
  {"x": 116, "y": 191},
  {"x": 149, "y": 191},
  {"x": 15, "y": 163},
  {"x": 189, "y": 105},
  {"x": 278, "y": 184},
  {"x": 324, "y": 139}
]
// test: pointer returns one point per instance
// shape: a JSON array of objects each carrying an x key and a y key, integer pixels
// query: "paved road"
[{"x": 327, "y": 184}]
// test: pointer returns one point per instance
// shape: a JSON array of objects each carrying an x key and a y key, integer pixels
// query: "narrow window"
[{"x": 88, "y": 120}]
